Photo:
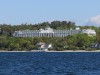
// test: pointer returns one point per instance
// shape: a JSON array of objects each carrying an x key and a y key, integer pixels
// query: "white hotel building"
[{"x": 49, "y": 32}]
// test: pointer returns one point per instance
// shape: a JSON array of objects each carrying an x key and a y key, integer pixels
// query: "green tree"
[
  {"x": 14, "y": 46},
  {"x": 98, "y": 37}
]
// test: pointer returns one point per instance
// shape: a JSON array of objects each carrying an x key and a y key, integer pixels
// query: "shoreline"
[
  {"x": 55, "y": 51},
  {"x": 76, "y": 51}
]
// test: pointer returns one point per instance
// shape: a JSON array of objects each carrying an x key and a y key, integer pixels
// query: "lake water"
[{"x": 39, "y": 63}]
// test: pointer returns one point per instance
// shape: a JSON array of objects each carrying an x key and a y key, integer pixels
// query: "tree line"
[
  {"x": 75, "y": 42},
  {"x": 9, "y": 29}
]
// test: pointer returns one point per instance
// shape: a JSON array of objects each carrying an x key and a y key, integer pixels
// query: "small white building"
[
  {"x": 90, "y": 32},
  {"x": 43, "y": 46}
]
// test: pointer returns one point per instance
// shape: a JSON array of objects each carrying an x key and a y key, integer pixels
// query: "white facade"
[
  {"x": 49, "y": 32},
  {"x": 90, "y": 32}
]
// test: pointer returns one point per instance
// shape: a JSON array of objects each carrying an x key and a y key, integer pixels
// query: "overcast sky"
[{"x": 37, "y": 11}]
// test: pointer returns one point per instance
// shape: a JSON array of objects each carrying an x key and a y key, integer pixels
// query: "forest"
[{"x": 73, "y": 42}]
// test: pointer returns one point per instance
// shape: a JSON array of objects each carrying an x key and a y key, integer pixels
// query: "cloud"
[{"x": 94, "y": 21}]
